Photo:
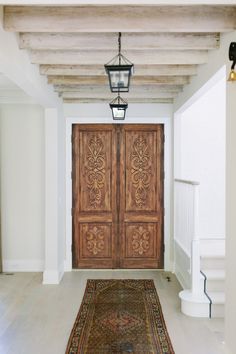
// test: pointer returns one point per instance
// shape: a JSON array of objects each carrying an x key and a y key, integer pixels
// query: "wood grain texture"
[
  {"x": 117, "y": 196},
  {"x": 94, "y": 198},
  {"x": 95, "y": 178},
  {"x": 141, "y": 195},
  {"x": 66, "y": 93},
  {"x": 199, "y": 18},
  {"x": 165, "y": 43},
  {"x": 96, "y": 57},
  {"x": 98, "y": 70},
  {"x": 108, "y": 41},
  {"x": 140, "y": 172},
  {"x": 141, "y": 241},
  {"x": 103, "y": 91},
  {"x": 102, "y": 80},
  {"x": 95, "y": 241},
  {"x": 106, "y": 100}
]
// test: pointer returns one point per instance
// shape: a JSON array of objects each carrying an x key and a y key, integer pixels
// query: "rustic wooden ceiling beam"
[
  {"x": 105, "y": 88},
  {"x": 109, "y": 98},
  {"x": 108, "y": 41},
  {"x": 103, "y": 80},
  {"x": 103, "y": 91},
  {"x": 198, "y": 18},
  {"x": 91, "y": 57},
  {"x": 98, "y": 70},
  {"x": 105, "y": 100}
]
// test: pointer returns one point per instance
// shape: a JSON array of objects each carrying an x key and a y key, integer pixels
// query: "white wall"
[
  {"x": 61, "y": 189},
  {"x": 200, "y": 146},
  {"x": 55, "y": 213},
  {"x": 15, "y": 65},
  {"x": 22, "y": 188},
  {"x": 230, "y": 320},
  {"x": 140, "y": 112},
  {"x": 216, "y": 60},
  {"x": 136, "y": 114}
]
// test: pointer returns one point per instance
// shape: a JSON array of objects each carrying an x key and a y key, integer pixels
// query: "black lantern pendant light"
[
  {"x": 118, "y": 107},
  {"x": 232, "y": 57},
  {"x": 119, "y": 71}
]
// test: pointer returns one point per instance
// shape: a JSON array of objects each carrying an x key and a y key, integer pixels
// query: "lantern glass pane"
[
  {"x": 118, "y": 113},
  {"x": 119, "y": 79}
]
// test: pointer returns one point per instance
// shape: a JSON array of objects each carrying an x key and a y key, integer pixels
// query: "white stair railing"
[{"x": 186, "y": 223}]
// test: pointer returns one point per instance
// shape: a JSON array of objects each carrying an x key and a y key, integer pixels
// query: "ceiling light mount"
[
  {"x": 119, "y": 70},
  {"x": 232, "y": 57}
]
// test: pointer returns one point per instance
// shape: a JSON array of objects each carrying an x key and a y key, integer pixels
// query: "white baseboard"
[
  {"x": 53, "y": 276},
  {"x": 182, "y": 266},
  {"x": 194, "y": 305},
  {"x": 182, "y": 279},
  {"x": 67, "y": 266},
  {"x": 23, "y": 265}
]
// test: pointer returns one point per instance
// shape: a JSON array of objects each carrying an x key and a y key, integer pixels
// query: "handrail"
[
  {"x": 205, "y": 292},
  {"x": 193, "y": 183}
]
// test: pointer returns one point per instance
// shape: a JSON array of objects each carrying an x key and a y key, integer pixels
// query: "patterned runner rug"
[{"x": 119, "y": 317}]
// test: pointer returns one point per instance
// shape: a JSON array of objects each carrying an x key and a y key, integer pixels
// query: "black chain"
[{"x": 119, "y": 44}]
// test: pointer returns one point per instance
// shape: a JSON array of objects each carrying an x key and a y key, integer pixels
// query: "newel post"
[{"x": 195, "y": 250}]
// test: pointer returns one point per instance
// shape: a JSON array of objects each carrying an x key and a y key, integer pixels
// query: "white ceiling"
[{"x": 71, "y": 44}]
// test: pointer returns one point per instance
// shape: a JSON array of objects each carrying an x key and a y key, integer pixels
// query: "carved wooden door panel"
[
  {"x": 117, "y": 196},
  {"x": 141, "y": 196},
  {"x": 94, "y": 196}
]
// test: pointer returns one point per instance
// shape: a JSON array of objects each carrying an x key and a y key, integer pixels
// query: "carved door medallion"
[{"x": 117, "y": 196}]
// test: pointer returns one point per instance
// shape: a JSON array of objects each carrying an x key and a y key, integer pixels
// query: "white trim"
[
  {"x": 23, "y": 265},
  {"x": 179, "y": 275},
  {"x": 168, "y": 262},
  {"x": 182, "y": 273},
  {"x": 184, "y": 181},
  {"x": 182, "y": 247},
  {"x": 220, "y": 74},
  {"x": 52, "y": 277},
  {"x": 194, "y": 306}
]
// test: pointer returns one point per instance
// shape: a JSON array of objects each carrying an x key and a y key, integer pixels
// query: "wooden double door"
[{"x": 117, "y": 196}]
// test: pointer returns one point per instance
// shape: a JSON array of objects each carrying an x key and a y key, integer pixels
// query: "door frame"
[{"x": 168, "y": 196}]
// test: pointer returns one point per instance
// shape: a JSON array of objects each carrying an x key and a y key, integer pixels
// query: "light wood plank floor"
[{"x": 37, "y": 319}]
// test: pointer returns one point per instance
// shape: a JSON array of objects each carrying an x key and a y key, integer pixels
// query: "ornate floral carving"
[
  {"x": 95, "y": 240},
  {"x": 95, "y": 170},
  {"x": 141, "y": 170},
  {"x": 140, "y": 240}
]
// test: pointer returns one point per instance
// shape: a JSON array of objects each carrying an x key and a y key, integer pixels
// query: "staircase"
[
  {"x": 208, "y": 299},
  {"x": 199, "y": 262},
  {"x": 212, "y": 267}
]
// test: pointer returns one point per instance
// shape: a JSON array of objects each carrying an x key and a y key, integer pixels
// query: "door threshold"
[{"x": 117, "y": 270}]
